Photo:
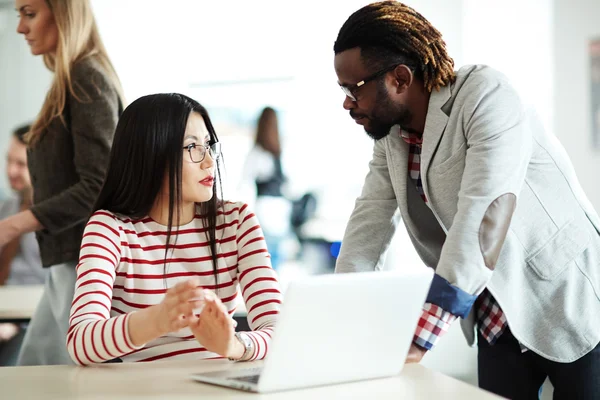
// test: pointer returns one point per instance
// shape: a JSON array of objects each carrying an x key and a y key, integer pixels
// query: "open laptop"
[{"x": 337, "y": 328}]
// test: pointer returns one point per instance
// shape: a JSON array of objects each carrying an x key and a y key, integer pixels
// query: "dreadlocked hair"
[{"x": 390, "y": 32}]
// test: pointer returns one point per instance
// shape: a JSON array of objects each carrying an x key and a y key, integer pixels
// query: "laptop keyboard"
[
  {"x": 249, "y": 375},
  {"x": 247, "y": 378}
]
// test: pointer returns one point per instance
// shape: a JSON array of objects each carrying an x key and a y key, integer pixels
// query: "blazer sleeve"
[
  {"x": 499, "y": 143},
  {"x": 373, "y": 221},
  {"x": 93, "y": 116}
]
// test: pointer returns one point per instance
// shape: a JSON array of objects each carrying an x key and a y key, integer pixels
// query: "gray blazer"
[
  {"x": 505, "y": 211},
  {"x": 68, "y": 164}
]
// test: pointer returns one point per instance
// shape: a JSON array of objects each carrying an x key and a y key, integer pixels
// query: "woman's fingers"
[
  {"x": 195, "y": 306},
  {"x": 191, "y": 304},
  {"x": 225, "y": 322},
  {"x": 190, "y": 308},
  {"x": 180, "y": 314},
  {"x": 183, "y": 292},
  {"x": 211, "y": 311},
  {"x": 190, "y": 295},
  {"x": 217, "y": 315},
  {"x": 193, "y": 321},
  {"x": 185, "y": 286},
  {"x": 196, "y": 293},
  {"x": 220, "y": 310},
  {"x": 180, "y": 323}
]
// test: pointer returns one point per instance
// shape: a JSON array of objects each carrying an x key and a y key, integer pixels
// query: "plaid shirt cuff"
[{"x": 434, "y": 322}]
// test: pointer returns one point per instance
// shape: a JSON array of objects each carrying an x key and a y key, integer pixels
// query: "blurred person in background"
[
  {"x": 263, "y": 174},
  {"x": 68, "y": 148},
  {"x": 20, "y": 262}
]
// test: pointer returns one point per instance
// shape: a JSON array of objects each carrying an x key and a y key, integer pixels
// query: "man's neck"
[{"x": 419, "y": 108}]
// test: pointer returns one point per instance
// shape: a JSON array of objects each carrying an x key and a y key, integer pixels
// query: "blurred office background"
[{"x": 237, "y": 57}]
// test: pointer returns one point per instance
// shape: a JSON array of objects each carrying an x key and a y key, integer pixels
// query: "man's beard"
[{"x": 385, "y": 115}]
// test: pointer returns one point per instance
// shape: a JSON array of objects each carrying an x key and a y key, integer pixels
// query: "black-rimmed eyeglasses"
[
  {"x": 351, "y": 90},
  {"x": 197, "y": 152}
]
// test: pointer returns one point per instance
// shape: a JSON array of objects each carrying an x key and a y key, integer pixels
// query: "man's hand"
[
  {"x": 18, "y": 224},
  {"x": 7, "y": 231},
  {"x": 8, "y": 331},
  {"x": 415, "y": 354}
]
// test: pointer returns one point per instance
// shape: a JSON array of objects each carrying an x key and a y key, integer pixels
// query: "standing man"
[
  {"x": 489, "y": 199},
  {"x": 20, "y": 262}
]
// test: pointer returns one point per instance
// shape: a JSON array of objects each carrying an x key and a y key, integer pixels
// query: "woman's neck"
[{"x": 160, "y": 213}]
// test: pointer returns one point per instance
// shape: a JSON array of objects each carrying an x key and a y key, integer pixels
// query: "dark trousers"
[{"x": 503, "y": 369}]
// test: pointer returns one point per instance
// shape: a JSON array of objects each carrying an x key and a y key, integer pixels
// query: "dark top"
[
  {"x": 68, "y": 163},
  {"x": 272, "y": 186}
]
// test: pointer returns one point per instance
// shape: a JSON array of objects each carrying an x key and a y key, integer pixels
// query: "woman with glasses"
[
  {"x": 163, "y": 256},
  {"x": 68, "y": 148}
]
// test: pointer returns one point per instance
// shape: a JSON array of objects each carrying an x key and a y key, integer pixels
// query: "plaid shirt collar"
[{"x": 411, "y": 138}]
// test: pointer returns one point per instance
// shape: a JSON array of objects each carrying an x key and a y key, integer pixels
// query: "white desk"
[
  {"x": 170, "y": 380},
  {"x": 17, "y": 303}
]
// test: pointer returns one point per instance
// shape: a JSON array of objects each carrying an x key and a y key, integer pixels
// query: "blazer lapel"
[
  {"x": 398, "y": 153},
  {"x": 434, "y": 129}
]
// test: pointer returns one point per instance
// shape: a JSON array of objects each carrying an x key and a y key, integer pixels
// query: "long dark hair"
[
  {"x": 147, "y": 148},
  {"x": 267, "y": 131}
]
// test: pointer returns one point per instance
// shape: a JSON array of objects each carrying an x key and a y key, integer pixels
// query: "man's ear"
[{"x": 403, "y": 78}]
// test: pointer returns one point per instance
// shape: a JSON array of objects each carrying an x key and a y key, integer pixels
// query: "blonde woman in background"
[{"x": 69, "y": 145}]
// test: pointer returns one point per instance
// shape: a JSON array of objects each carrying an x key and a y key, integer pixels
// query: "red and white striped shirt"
[{"x": 121, "y": 269}]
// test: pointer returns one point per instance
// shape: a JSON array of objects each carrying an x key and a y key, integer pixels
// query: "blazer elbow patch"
[{"x": 494, "y": 226}]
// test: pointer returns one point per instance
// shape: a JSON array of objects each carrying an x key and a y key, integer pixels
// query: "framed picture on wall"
[{"x": 595, "y": 90}]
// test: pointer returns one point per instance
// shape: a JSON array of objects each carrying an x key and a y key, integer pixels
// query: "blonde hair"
[{"x": 78, "y": 39}]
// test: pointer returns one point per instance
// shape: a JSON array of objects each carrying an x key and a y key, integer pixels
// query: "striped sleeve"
[
  {"x": 258, "y": 282},
  {"x": 94, "y": 336}
]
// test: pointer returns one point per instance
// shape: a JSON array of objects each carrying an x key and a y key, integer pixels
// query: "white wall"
[
  {"x": 185, "y": 45},
  {"x": 23, "y": 83},
  {"x": 180, "y": 45},
  {"x": 576, "y": 22},
  {"x": 515, "y": 37}
]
